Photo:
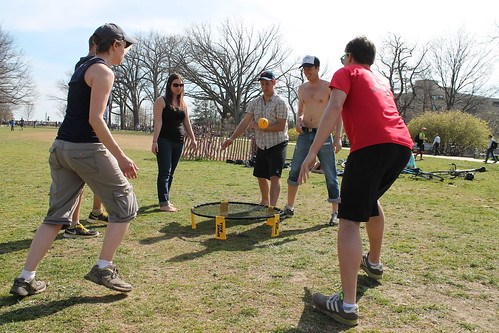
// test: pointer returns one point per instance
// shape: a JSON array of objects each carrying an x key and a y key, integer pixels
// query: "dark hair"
[
  {"x": 91, "y": 42},
  {"x": 169, "y": 95},
  {"x": 102, "y": 46},
  {"x": 362, "y": 50}
]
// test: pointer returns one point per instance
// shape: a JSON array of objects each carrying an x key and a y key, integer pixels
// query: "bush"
[{"x": 456, "y": 128}]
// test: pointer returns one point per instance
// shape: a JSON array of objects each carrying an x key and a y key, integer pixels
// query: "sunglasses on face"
[
  {"x": 343, "y": 57},
  {"x": 176, "y": 85}
]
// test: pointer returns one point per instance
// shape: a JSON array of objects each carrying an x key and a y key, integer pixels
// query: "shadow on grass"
[
  {"x": 22, "y": 244},
  {"x": 148, "y": 209},
  {"x": 242, "y": 241},
  {"x": 14, "y": 246},
  {"x": 312, "y": 320},
  {"x": 42, "y": 309}
]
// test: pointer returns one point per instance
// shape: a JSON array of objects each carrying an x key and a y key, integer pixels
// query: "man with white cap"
[{"x": 313, "y": 97}]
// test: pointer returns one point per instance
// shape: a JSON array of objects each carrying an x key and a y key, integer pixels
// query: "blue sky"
[{"x": 53, "y": 34}]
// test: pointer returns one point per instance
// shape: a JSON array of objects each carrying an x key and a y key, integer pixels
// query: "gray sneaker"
[
  {"x": 287, "y": 212},
  {"x": 332, "y": 306},
  {"x": 23, "y": 288},
  {"x": 372, "y": 272},
  {"x": 334, "y": 219},
  {"x": 108, "y": 277}
]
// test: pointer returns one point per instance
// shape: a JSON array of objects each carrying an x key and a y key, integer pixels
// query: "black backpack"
[{"x": 493, "y": 145}]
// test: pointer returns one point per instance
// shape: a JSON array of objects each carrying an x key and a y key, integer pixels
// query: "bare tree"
[
  {"x": 61, "y": 98},
  {"x": 16, "y": 85},
  {"x": 5, "y": 113},
  {"x": 158, "y": 61},
  {"x": 223, "y": 66},
  {"x": 288, "y": 89},
  {"x": 462, "y": 66},
  {"x": 129, "y": 90},
  {"x": 402, "y": 64},
  {"x": 28, "y": 111}
]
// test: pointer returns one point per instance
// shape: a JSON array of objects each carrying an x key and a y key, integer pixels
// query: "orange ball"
[{"x": 263, "y": 123}]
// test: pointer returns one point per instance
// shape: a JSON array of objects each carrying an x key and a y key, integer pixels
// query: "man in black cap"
[
  {"x": 313, "y": 97},
  {"x": 271, "y": 141},
  {"x": 83, "y": 145}
]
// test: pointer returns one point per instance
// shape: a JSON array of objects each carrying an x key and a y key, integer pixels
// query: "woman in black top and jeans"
[{"x": 171, "y": 120}]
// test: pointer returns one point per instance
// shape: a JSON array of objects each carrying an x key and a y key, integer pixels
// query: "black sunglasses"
[{"x": 176, "y": 85}]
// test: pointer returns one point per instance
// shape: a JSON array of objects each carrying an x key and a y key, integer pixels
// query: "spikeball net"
[{"x": 227, "y": 210}]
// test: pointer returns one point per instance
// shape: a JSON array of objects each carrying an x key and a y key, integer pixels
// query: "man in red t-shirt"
[{"x": 381, "y": 146}]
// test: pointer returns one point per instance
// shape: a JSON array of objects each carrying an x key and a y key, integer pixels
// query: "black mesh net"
[{"x": 235, "y": 210}]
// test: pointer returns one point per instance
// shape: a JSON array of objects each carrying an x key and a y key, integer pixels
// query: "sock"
[
  {"x": 347, "y": 307},
  {"x": 290, "y": 207},
  {"x": 27, "y": 275},
  {"x": 103, "y": 263},
  {"x": 96, "y": 212},
  {"x": 375, "y": 266}
]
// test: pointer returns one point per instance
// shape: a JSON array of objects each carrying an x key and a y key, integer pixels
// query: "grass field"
[{"x": 440, "y": 254}]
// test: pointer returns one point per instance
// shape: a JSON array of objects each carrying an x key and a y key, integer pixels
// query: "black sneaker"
[
  {"x": 287, "y": 212},
  {"x": 108, "y": 277},
  {"x": 334, "y": 219},
  {"x": 23, "y": 288},
  {"x": 332, "y": 306},
  {"x": 101, "y": 218},
  {"x": 80, "y": 231},
  {"x": 373, "y": 272}
]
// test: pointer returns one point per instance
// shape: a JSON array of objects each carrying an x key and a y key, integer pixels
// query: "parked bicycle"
[
  {"x": 454, "y": 172},
  {"x": 418, "y": 173}
]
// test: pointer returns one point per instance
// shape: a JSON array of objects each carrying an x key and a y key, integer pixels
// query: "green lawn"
[{"x": 440, "y": 254}]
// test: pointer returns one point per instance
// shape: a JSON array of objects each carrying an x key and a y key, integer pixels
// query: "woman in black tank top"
[{"x": 171, "y": 121}]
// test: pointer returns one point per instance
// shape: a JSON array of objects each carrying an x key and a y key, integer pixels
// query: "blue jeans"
[
  {"x": 168, "y": 155},
  {"x": 490, "y": 152},
  {"x": 327, "y": 158}
]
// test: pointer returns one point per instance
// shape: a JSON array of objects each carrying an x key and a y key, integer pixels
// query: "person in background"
[
  {"x": 380, "y": 146},
  {"x": 420, "y": 139},
  {"x": 436, "y": 144},
  {"x": 171, "y": 120},
  {"x": 312, "y": 100},
  {"x": 83, "y": 145},
  {"x": 97, "y": 215},
  {"x": 491, "y": 146},
  {"x": 271, "y": 141}
]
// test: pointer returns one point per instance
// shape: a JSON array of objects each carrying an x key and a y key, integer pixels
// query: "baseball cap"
[
  {"x": 309, "y": 61},
  {"x": 111, "y": 32},
  {"x": 266, "y": 75}
]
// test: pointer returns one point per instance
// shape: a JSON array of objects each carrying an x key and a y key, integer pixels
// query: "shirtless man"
[{"x": 313, "y": 98}]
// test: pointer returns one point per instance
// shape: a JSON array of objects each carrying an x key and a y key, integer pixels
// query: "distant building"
[{"x": 429, "y": 96}]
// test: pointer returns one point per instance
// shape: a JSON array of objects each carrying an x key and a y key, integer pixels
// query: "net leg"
[
  {"x": 270, "y": 220},
  {"x": 193, "y": 221},
  {"x": 275, "y": 225},
  {"x": 224, "y": 207},
  {"x": 220, "y": 228}
]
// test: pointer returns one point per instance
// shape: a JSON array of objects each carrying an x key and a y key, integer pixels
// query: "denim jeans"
[
  {"x": 490, "y": 152},
  {"x": 168, "y": 155},
  {"x": 327, "y": 158}
]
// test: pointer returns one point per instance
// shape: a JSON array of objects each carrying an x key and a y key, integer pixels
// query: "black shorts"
[
  {"x": 269, "y": 162},
  {"x": 369, "y": 173}
]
